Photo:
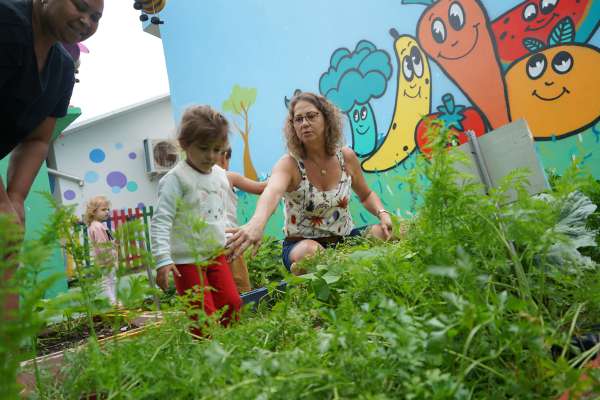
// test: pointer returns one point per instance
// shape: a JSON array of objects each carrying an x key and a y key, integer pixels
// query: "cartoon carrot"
[{"x": 456, "y": 34}]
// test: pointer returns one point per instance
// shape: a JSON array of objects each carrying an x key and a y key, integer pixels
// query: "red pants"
[{"x": 218, "y": 277}]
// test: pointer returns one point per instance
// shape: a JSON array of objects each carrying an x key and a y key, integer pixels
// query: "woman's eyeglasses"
[{"x": 310, "y": 118}]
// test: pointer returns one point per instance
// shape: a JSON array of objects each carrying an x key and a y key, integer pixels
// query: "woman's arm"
[
  {"x": 250, "y": 234},
  {"x": 25, "y": 163},
  {"x": 368, "y": 198},
  {"x": 247, "y": 185}
]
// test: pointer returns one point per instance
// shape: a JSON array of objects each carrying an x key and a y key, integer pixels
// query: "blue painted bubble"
[
  {"x": 118, "y": 146},
  {"x": 116, "y": 189},
  {"x": 91, "y": 177},
  {"x": 132, "y": 186},
  {"x": 116, "y": 178},
  {"x": 69, "y": 194},
  {"x": 97, "y": 155}
]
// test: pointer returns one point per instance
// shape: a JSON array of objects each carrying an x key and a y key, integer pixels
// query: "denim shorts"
[{"x": 288, "y": 245}]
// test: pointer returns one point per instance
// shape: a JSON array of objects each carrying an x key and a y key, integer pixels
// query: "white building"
[{"x": 105, "y": 156}]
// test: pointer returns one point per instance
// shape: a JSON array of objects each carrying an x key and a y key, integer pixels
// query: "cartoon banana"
[{"x": 413, "y": 100}]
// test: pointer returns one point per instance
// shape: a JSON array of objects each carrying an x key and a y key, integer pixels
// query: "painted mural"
[
  {"x": 238, "y": 104},
  {"x": 473, "y": 64},
  {"x": 413, "y": 100},
  {"x": 353, "y": 79},
  {"x": 109, "y": 170}
]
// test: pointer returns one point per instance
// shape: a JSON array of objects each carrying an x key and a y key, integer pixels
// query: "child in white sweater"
[{"x": 195, "y": 189}]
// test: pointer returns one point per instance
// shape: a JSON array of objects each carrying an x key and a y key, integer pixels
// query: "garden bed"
[
  {"x": 55, "y": 343},
  {"x": 62, "y": 337},
  {"x": 475, "y": 302}
]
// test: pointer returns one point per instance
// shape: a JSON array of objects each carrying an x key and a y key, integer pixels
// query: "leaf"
[
  {"x": 449, "y": 272},
  {"x": 239, "y": 97},
  {"x": 563, "y": 32},
  {"x": 331, "y": 277},
  {"x": 573, "y": 224},
  {"x": 533, "y": 44},
  {"x": 321, "y": 289}
]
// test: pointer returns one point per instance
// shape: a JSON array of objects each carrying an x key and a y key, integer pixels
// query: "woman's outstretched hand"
[
  {"x": 243, "y": 237},
  {"x": 385, "y": 222}
]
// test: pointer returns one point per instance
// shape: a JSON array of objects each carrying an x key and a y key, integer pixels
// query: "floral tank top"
[{"x": 311, "y": 213}]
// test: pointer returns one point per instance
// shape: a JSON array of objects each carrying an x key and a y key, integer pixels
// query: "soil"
[{"x": 61, "y": 336}]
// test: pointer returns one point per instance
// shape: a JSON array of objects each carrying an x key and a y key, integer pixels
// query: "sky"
[{"x": 125, "y": 65}]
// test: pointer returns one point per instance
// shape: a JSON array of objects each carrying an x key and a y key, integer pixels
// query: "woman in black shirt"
[{"x": 36, "y": 82}]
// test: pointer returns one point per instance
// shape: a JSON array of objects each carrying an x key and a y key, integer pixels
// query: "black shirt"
[{"x": 28, "y": 97}]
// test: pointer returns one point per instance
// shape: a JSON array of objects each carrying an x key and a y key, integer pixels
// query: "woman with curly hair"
[{"x": 314, "y": 179}]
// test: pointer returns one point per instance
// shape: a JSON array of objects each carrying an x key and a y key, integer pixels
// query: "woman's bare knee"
[{"x": 306, "y": 248}]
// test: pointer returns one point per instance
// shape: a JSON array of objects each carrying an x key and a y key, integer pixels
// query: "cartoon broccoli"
[{"x": 352, "y": 80}]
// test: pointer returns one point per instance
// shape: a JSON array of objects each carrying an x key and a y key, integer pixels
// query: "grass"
[{"x": 476, "y": 301}]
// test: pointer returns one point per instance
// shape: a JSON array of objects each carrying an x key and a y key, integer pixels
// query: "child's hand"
[{"x": 162, "y": 275}]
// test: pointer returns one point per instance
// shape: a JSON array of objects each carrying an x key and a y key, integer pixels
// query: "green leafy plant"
[
  {"x": 266, "y": 266},
  {"x": 469, "y": 303}
]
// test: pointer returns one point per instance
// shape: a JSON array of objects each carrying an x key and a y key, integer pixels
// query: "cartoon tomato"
[
  {"x": 455, "y": 34},
  {"x": 556, "y": 90},
  {"x": 536, "y": 19},
  {"x": 413, "y": 100},
  {"x": 457, "y": 118}
]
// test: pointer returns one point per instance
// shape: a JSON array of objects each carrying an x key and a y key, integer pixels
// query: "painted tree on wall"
[{"x": 239, "y": 102}]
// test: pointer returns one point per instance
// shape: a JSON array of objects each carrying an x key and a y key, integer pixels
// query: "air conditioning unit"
[{"x": 161, "y": 155}]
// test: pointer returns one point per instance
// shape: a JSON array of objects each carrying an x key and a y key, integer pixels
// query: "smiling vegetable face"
[
  {"x": 556, "y": 90},
  {"x": 451, "y": 30},
  {"x": 536, "y": 19},
  {"x": 415, "y": 77},
  {"x": 413, "y": 101},
  {"x": 364, "y": 129},
  {"x": 455, "y": 34}
]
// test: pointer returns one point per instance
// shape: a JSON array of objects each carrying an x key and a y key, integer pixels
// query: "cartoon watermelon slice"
[{"x": 536, "y": 19}]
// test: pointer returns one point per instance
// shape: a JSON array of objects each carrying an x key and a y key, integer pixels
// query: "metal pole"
[{"x": 74, "y": 178}]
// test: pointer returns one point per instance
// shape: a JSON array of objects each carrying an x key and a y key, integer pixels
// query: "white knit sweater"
[{"x": 184, "y": 195}]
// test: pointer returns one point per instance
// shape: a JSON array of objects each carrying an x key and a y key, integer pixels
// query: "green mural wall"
[{"x": 37, "y": 212}]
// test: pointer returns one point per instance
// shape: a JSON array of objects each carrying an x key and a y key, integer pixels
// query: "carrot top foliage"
[{"x": 473, "y": 300}]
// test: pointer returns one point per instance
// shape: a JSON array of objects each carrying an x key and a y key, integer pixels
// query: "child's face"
[
  {"x": 102, "y": 213},
  {"x": 204, "y": 156}
]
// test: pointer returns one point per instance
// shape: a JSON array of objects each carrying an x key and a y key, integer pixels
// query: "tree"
[{"x": 239, "y": 102}]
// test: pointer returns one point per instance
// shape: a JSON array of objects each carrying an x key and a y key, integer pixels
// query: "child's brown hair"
[
  {"x": 201, "y": 124},
  {"x": 92, "y": 206}
]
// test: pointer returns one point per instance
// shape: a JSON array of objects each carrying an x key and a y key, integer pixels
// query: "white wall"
[{"x": 108, "y": 154}]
